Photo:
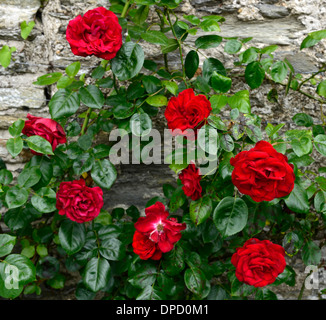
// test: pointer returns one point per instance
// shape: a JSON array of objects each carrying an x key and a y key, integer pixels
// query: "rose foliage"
[{"x": 229, "y": 232}]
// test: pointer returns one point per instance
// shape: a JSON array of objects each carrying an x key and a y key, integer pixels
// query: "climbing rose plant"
[{"x": 228, "y": 231}]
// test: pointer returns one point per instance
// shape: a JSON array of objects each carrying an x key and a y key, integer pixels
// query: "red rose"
[
  {"x": 190, "y": 179},
  {"x": 258, "y": 263},
  {"x": 97, "y": 33},
  {"x": 145, "y": 247},
  {"x": 262, "y": 173},
  {"x": 187, "y": 111},
  {"x": 79, "y": 202},
  {"x": 159, "y": 233},
  {"x": 46, "y": 128}
]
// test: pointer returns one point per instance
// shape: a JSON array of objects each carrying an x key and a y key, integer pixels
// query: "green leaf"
[
  {"x": 7, "y": 243},
  {"x": 210, "y": 25},
  {"x": 73, "y": 69},
  {"x": 143, "y": 277},
  {"x": 232, "y": 46},
  {"x": 230, "y": 216},
  {"x": 227, "y": 143},
  {"x": 320, "y": 144},
  {"x": 83, "y": 163},
  {"x": 156, "y": 101},
  {"x": 241, "y": 101},
  {"x": 298, "y": 200},
  {"x": 42, "y": 250},
  {"x": 96, "y": 274},
  {"x": 303, "y": 119},
  {"x": 311, "y": 254},
  {"x": 218, "y": 102},
  {"x": 287, "y": 276},
  {"x": 210, "y": 65},
  {"x": 171, "y": 86},
  {"x": 208, "y": 139},
  {"x": 16, "y": 197},
  {"x": 112, "y": 249},
  {"x": 248, "y": 55},
  {"x": 57, "y": 282},
  {"x": 174, "y": 262},
  {"x": 28, "y": 252},
  {"x": 140, "y": 124},
  {"x": 191, "y": 63},
  {"x": 207, "y": 42},
  {"x": 220, "y": 83},
  {"x": 128, "y": 61},
  {"x": 279, "y": 71},
  {"x": 5, "y": 177},
  {"x": 16, "y": 128},
  {"x": 26, "y": 28},
  {"x": 302, "y": 146},
  {"x": 320, "y": 201},
  {"x": 46, "y": 167},
  {"x": 312, "y": 39},
  {"x": 72, "y": 236},
  {"x": 19, "y": 217},
  {"x": 104, "y": 173},
  {"x": 172, "y": 45},
  {"x": 64, "y": 103},
  {"x": 39, "y": 144},
  {"x": 192, "y": 19},
  {"x": 156, "y": 37},
  {"x": 92, "y": 96},
  {"x": 265, "y": 294},
  {"x": 195, "y": 281},
  {"x": 151, "y": 293},
  {"x": 85, "y": 141},
  {"x": 29, "y": 177},
  {"x": 26, "y": 269},
  {"x": 216, "y": 122},
  {"x": 141, "y": 15},
  {"x": 5, "y": 55},
  {"x": 200, "y": 210},
  {"x": 44, "y": 200},
  {"x": 48, "y": 79},
  {"x": 271, "y": 130},
  {"x": 15, "y": 146},
  {"x": 321, "y": 89},
  {"x": 254, "y": 74}
]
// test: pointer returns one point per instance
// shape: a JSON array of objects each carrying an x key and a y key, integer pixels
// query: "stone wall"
[{"x": 284, "y": 23}]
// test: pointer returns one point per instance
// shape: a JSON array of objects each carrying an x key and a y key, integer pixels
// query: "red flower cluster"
[
  {"x": 97, "y": 33},
  {"x": 258, "y": 263},
  {"x": 262, "y": 173},
  {"x": 190, "y": 178},
  {"x": 79, "y": 202},
  {"x": 187, "y": 111},
  {"x": 156, "y": 233},
  {"x": 46, "y": 128}
]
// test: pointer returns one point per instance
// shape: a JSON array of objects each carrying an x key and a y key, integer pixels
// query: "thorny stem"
[
  {"x": 165, "y": 55},
  {"x": 311, "y": 77},
  {"x": 180, "y": 47},
  {"x": 85, "y": 124},
  {"x": 125, "y": 9}
]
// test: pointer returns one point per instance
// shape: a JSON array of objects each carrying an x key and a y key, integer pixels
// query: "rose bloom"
[
  {"x": 258, "y": 263},
  {"x": 45, "y": 128},
  {"x": 159, "y": 233},
  {"x": 187, "y": 111},
  {"x": 262, "y": 173},
  {"x": 97, "y": 33},
  {"x": 145, "y": 247},
  {"x": 190, "y": 178},
  {"x": 79, "y": 202}
]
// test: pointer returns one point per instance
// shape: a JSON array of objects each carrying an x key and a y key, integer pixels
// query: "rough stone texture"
[{"x": 284, "y": 23}]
